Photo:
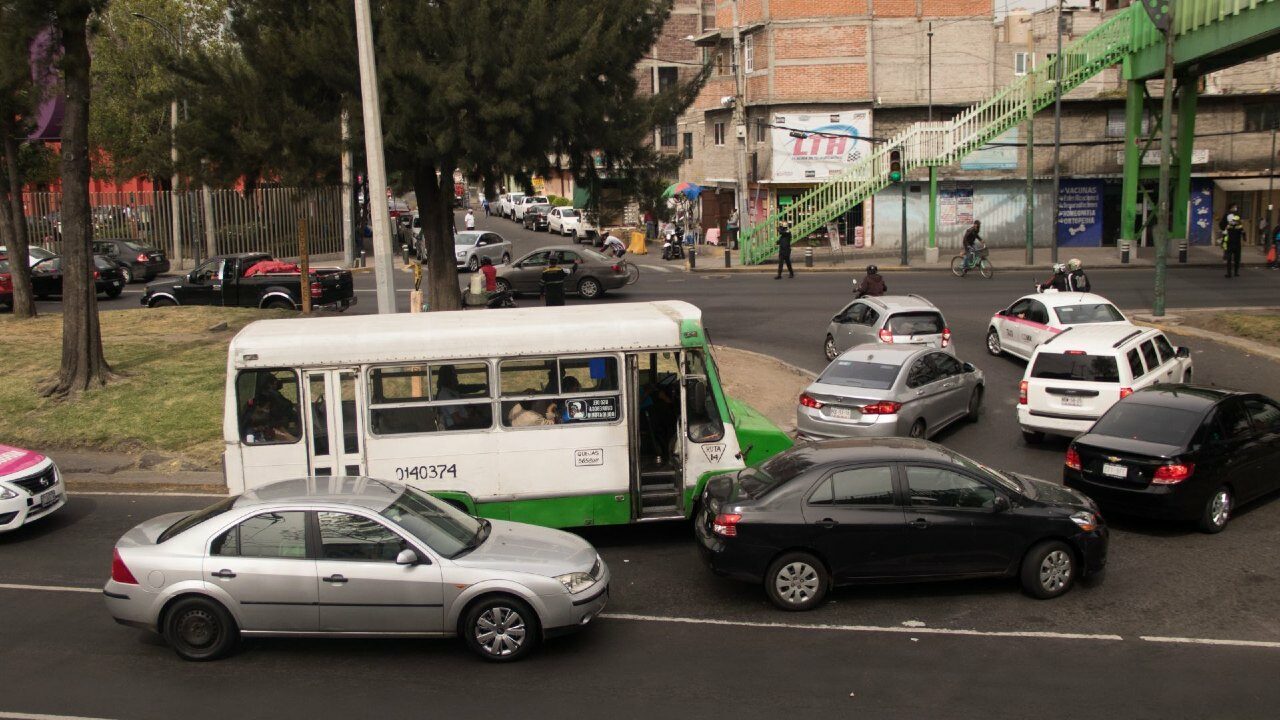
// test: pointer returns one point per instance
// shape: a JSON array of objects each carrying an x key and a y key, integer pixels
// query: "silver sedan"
[
  {"x": 351, "y": 556},
  {"x": 877, "y": 390}
]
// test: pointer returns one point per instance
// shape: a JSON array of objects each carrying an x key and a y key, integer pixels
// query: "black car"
[
  {"x": 46, "y": 277},
  {"x": 140, "y": 262},
  {"x": 535, "y": 216},
  {"x": 844, "y": 512},
  {"x": 1179, "y": 452}
]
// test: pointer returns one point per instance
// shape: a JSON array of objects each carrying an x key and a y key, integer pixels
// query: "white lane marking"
[
  {"x": 1209, "y": 641},
  {"x": 48, "y": 588},
  {"x": 864, "y": 628},
  {"x": 140, "y": 493},
  {"x": 40, "y": 716}
]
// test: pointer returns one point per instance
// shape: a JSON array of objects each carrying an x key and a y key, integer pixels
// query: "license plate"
[
  {"x": 1114, "y": 470},
  {"x": 842, "y": 413},
  {"x": 1072, "y": 401},
  {"x": 115, "y": 283},
  {"x": 49, "y": 498}
]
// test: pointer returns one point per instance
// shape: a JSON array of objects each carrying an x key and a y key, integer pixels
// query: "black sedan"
[
  {"x": 1180, "y": 452},
  {"x": 139, "y": 262},
  {"x": 893, "y": 510},
  {"x": 535, "y": 217},
  {"x": 46, "y": 277}
]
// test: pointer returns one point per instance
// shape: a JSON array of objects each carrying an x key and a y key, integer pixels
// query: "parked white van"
[{"x": 1077, "y": 375}]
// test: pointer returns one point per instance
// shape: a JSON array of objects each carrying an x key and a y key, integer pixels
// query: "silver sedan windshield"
[{"x": 439, "y": 525}]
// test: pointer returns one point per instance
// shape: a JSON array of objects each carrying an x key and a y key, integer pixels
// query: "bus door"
[
  {"x": 706, "y": 443},
  {"x": 335, "y": 428},
  {"x": 655, "y": 422}
]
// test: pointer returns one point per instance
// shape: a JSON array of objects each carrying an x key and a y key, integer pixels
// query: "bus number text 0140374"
[{"x": 426, "y": 472}]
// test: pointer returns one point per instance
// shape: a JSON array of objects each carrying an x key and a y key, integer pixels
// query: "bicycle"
[
  {"x": 632, "y": 270},
  {"x": 960, "y": 268}
]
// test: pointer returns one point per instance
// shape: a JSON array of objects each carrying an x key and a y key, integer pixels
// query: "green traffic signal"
[{"x": 895, "y": 176}]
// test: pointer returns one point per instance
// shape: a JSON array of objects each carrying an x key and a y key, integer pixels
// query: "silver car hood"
[{"x": 528, "y": 548}]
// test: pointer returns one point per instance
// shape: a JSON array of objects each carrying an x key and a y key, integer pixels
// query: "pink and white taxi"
[
  {"x": 30, "y": 487},
  {"x": 1021, "y": 327}
]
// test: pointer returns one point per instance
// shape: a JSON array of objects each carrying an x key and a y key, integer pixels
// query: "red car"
[{"x": 6, "y": 284}]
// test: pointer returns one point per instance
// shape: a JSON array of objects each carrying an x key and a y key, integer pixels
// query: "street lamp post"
[
  {"x": 174, "y": 203},
  {"x": 1057, "y": 137},
  {"x": 383, "y": 269},
  {"x": 739, "y": 128}
]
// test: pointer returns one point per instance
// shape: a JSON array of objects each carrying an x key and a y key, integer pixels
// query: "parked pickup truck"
[{"x": 222, "y": 280}]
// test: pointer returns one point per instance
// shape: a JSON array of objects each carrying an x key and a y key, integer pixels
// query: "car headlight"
[
  {"x": 1086, "y": 520},
  {"x": 461, "y": 255},
  {"x": 7, "y": 494},
  {"x": 576, "y": 582}
]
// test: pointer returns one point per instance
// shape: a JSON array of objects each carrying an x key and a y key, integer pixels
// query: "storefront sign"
[
  {"x": 828, "y": 146},
  {"x": 955, "y": 206},
  {"x": 995, "y": 156},
  {"x": 1200, "y": 217},
  {"x": 1080, "y": 213}
]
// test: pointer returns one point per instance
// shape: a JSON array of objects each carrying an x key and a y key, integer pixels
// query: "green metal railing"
[{"x": 945, "y": 143}]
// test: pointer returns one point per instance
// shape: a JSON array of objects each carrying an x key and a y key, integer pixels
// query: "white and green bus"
[{"x": 566, "y": 416}]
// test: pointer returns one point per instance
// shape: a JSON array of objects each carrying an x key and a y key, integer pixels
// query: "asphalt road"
[{"x": 678, "y": 640}]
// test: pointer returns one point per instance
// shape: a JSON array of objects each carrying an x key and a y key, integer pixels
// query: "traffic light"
[{"x": 895, "y": 166}]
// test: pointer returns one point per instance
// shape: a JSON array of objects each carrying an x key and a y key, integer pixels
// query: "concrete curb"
[{"x": 860, "y": 267}]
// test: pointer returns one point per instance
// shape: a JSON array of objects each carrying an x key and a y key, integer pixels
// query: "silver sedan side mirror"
[{"x": 407, "y": 557}]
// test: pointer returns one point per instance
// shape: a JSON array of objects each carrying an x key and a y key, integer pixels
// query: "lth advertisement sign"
[{"x": 812, "y": 147}]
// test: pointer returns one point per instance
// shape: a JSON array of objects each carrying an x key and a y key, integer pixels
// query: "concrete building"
[{"x": 861, "y": 67}]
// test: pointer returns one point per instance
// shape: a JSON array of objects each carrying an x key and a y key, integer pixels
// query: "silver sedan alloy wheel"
[
  {"x": 500, "y": 631},
  {"x": 1055, "y": 571},
  {"x": 830, "y": 347},
  {"x": 797, "y": 582}
]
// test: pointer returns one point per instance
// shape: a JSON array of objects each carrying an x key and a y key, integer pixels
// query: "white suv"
[
  {"x": 1077, "y": 375},
  {"x": 507, "y": 203},
  {"x": 524, "y": 203}
]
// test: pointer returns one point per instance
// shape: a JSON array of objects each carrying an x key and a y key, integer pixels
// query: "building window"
[
  {"x": 667, "y": 136},
  {"x": 722, "y": 63},
  {"x": 688, "y": 146},
  {"x": 1023, "y": 63},
  {"x": 1261, "y": 117},
  {"x": 1116, "y": 123},
  {"x": 667, "y": 78},
  {"x": 718, "y": 133},
  {"x": 749, "y": 53}
]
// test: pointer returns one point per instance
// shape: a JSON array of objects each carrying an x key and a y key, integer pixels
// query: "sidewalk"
[
  {"x": 711, "y": 259},
  {"x": 87, "y": 470}
]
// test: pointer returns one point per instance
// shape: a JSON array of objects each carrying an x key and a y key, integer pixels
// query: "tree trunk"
[
  {"x": 83, "y": 365},
  {"x": 14, "y": 218},
  {"x": 435, "y": 193}
]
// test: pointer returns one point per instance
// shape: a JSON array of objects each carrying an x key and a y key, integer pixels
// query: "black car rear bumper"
[
  {"x": 1165, "y": 502},
  {"x": 731, "y": 558}
]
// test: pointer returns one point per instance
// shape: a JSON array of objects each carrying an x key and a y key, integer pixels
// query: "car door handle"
[
  {"x": 828, "y": 523},
  {"x": 920, "y": 391},
  {"x": 919, "y": 524},
  {"x": 223, "y": 574},
  {"x": 334, "y": 579}
]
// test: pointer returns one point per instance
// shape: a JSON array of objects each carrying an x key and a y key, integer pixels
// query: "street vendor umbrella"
[{"x": 689, "y": 190}]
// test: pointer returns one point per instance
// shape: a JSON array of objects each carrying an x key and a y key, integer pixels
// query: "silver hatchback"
[
  {"x": 887, "y": 319},
  {"x": 351, "y": 557},
  {"x": 889, "y": 390}
]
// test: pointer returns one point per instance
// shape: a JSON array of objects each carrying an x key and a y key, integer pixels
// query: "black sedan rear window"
[
  {"x": 916, "y": 323},
  {"x": 1149, "y": 423},
  {"x": 855, "y": 373},
  {"x": 1076, "y": 366}
]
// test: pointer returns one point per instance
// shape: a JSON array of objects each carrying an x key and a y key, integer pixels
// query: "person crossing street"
[
  {"x": 1232, "y": 227},
  {"x": 784, "y": 250}
]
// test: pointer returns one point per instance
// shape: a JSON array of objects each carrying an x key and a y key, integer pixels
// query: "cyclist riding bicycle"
[
  {"x": 971, "y": 244},
  {"x": 613, "y": 245}
]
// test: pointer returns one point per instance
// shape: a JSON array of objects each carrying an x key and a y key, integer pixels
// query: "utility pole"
[
  {"x": 739, "y": 130},
  {"x": 348, "y": 222},
  {"x": 383, "y": 270},
  {"x": 1166, "y": 153},
  {"x": 1057, "y": 137},
  {"x": 930, "y": 34},
  {"x": 904, "y": 259},
  {"x": 175, "y": 204},
  {"x": 1271, "y": 176}
]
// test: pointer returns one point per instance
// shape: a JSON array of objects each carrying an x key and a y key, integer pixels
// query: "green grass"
[{"x": 167, "y": 396}]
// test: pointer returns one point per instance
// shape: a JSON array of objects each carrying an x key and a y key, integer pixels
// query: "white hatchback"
[
  {"x": 1077, "y": 375},
  {"x": 30, "y": 487},
  {"x": 1033, "y": 319},
  {"x": 563, "y": 220}
]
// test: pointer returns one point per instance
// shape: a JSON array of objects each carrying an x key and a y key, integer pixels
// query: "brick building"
[{"x": 862, "y": 67}]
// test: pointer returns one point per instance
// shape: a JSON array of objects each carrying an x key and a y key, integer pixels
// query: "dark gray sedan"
[
  {"x": 590, "y": 273},
  {"x": 877, "y": 390}
]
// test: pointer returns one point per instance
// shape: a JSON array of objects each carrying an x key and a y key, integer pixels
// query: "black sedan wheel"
[
  {"x": 127, "y": 272},
  {"x": 501, "y": 629},
  {"x": 1048, "y": 570},
  {"x": 797, "y": 581},
  {"x": 114, "y": 292},
  {"x": 200, "y": 629},
  {"x": 161, "y": 302},
  {"x": 1217, "y": 511}
]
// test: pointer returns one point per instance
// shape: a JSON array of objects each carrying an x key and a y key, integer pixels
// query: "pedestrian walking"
[
  {"x": 650, "y": 226},
  {"x": 1232, "y": 226},
  {"x": 484, "y": 203},
  {"x": 470, "y": 220},
  {"x": 731, "y": 229},
  {"x": 551, "y": 283},
  {"x": 784, "y": 250}
]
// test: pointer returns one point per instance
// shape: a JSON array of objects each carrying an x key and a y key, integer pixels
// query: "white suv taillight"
[
  {"x": 946, "y": 336},
  {"x": 1022, "y": 393}
]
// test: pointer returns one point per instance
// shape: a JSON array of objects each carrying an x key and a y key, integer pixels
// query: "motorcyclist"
[
  {"x": 1058, "y": 281},
  {"x": 872, "y": 285},
  {"x": 1077, "y": 281}
]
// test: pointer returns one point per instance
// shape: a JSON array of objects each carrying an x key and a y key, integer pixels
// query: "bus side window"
[
  {"x": 701, "y": 411},
  {"x": 267, "y": 403}
]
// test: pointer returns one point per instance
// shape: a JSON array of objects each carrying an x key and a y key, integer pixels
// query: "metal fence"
[{"x": 210, "y": 222}]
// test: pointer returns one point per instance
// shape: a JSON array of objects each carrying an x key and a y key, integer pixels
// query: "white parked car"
[
  {"x": 1022, "y": 326},
  {"x": 563, "y": 220},
  {"x": 524, "y": 203},
  {"x": 1078, "y": 374},
  {"x": 507, "y": 202},
  {"x": 30, "y": 487},
  {"x": 35, "y": 254}
]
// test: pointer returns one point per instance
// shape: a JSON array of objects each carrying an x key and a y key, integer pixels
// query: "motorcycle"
[
  {"x": 673, "y": 246},
  {"x": 500, "y": 299}
]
